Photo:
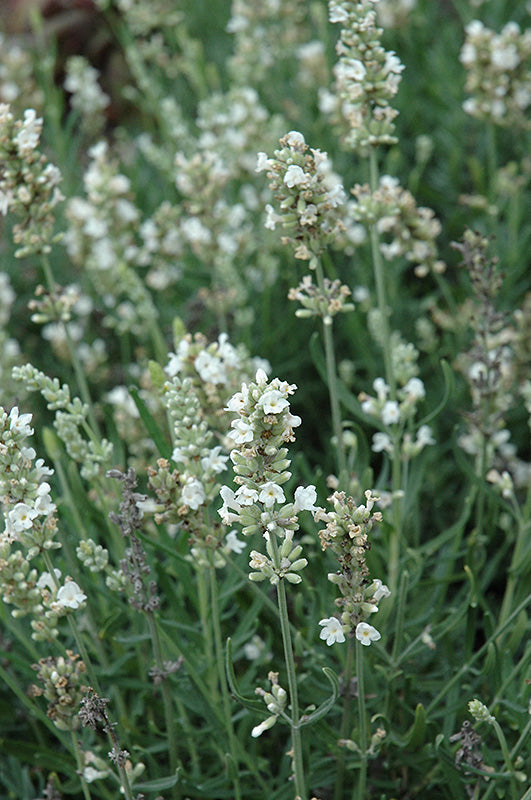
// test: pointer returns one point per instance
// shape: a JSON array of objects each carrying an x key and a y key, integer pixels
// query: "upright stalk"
[
  {"x": 345, "y": 720},
  {"x": 359, "y": 791},
  {"x": 220, "y": 661},
  {"x": 166, "y": 698},
  {"x": 78, "y": 369},
  {"x": 379, "y": 279},
  {"x": 331, "y": 374},
  {"x": 300, "y": 788},
  {"x": 79, "y": 762}
]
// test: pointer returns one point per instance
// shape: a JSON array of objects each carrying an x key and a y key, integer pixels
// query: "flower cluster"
[
  {"x": 9, "y": 347},
  {"x": 498, "y": 74},
  {"x": 30, "y": 529},
  {"x": 25, "y": 495},
  {"x": 489, "y": 366},
  {"x": 265, "y": 31},
  {"x": 325, "y": 304},
  {"x": 407, "y": 230},
  {"x": 275, "y": 701},
  {"x": 183, "y": 494},
  {"x": 393, "y": 414},
  {"x": 394, "y": 13},
  {"x": 309, "y": 195},
  {"x": 211, "y": 221},
  {"x": 264, "y": 424},
  {"x": 28, "y": 182},
  {"x": 101, "y": 239},
  {"x": 480, "y": 712},
  {"x": 346, "y": 536},
  {"x": 71, "y": 415},
  {"x": 366, "y": 77},
  {"x": 62, "y": 686},
  {"x": 17, "y": 79},
  {"x": 134, "y": 567},
  {"x": 86, "y": 95},
  {"x": 216, "y": 370}
]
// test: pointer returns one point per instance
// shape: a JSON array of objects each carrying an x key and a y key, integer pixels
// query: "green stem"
[
  {"x": 379, "y": 278},
  {"x": 78, "y": 369},
  {"x": 522, "y": 537},
  {"x": 359, "y": 792},
  {"x": 331, "y": 374},
  {"x": 80, "y": 765},
  {"x": 74, "y": 630},
  {"x": 506, "y": 757},
  {"x": 345, "y": 721},
  {"x": 294, "y": 697},
  {"x": 214, "y": 597},
  {"x": 492, "y": 162},
  {"x": 296, "y": 739},
  {"x": 204, "y": 612},
  {"x": 166, "y": 698}
]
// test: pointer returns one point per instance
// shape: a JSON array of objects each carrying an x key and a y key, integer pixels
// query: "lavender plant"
[{"x": 217, "y": 583}]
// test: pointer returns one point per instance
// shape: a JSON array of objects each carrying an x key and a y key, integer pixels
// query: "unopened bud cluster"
[
  {"x": 71, "y": 417},
  {"x": 406, "y": 230},
  {"x": 61, "y": 682},
  {"x": 480, "y": 712},
  {"x": 28, "y": 182},
  {"x": 275, "y": 701},
  {"x": 325, "y": 303},
  {"x": 346, "y": 535},
  {"x": 498, "y": 74},
  {"x": 367, "y": 78},
  {"x": 309, "y": 195}
]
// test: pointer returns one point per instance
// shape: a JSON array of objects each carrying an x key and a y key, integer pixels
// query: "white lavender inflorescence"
[
  {"x": 405, "y": 229},
  {"x": 498, "y": 77},
  {"x": 346, "y": 535},
  {"x": 367, "y": 78},
  {"x": 86, "y": 95},
  {"x": 308, "y": 194},
  {"x": 102, "y": 240},
  {"x": 263, "y": 425},
  {"x": 30, "y": 530},
  {"x": 28, "y": 182}
]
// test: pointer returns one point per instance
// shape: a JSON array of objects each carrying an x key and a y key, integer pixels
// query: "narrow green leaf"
[
  {"x": 448, "y": 376},
  {"x": 151, "y": 425},
  {"x": 253, "y": 705},
  {"x": 327, "y": 704},
  {"x": 159, "y": 784},
  {"x": 416, "y": 734}
]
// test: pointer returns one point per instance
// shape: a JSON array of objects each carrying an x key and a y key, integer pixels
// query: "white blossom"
[
  {"x": 193, "y": 493},
  {"x": 70, "y": 595},
  {"x": 332, "y": 630},
  {"x": 366, "y": 634},
  {"x": 271, "y": 493}
]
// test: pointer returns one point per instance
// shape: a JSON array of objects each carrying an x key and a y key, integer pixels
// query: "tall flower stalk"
[{"x": 263, "y": 425}]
